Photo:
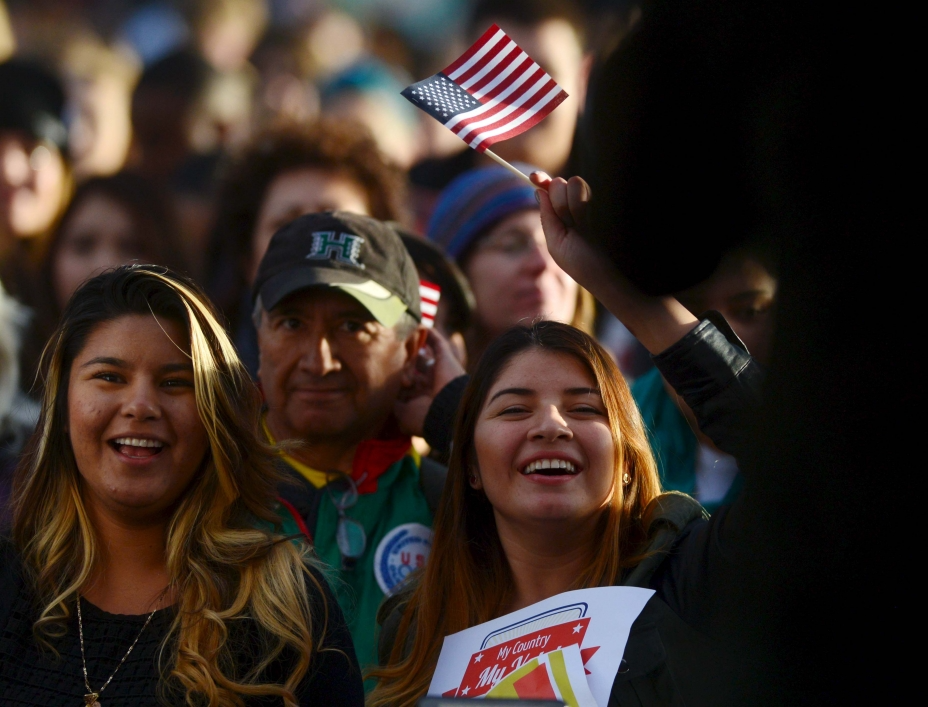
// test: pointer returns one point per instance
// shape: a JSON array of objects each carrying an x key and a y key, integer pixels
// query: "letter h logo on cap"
[{"x": 343, "y": 247}]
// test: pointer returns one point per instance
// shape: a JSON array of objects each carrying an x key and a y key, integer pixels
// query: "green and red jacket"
[{"x": 396, "y": 515}]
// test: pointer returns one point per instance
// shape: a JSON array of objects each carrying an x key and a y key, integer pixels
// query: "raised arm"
[
  {"x": 657, "y": 322},
  {"x": 703, "y": 360}
]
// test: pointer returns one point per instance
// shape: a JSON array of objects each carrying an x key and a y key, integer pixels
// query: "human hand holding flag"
[{"x": 492, "y": 92}]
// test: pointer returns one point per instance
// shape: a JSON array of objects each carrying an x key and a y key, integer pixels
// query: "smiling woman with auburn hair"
[
  {"x": 559, "y": 460},
  {"x": 150, "y": 562},
  {"x": 552, "y": 487}
]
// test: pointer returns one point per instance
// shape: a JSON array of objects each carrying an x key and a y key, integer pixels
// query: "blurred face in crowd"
[
  {"x": 744, "y": 291},
  {"x": 298, "y": 192},
  {"x": 554, "y": 44},
  {"x": 329, "y": 370},
  {"x": 395, "y": 135},
  {"x": 133, "y": 423},
  {"x": 543, "y": 444},
  {"x": 514, "y": 277},
  {"x": 101, "y": 129},
  {"x": 159, "y": 132},
  {"x": 33, "y": 183},
  {"x": 99, "y": 234}
]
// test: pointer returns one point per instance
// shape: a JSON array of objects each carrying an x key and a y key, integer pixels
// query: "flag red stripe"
[
  {"x": 542, "y": 112},
  {"x": 531, "y": 71},
  {"x": 504, "y": 62},
  {"x": 533, "y": 104},
  {"x": 492, "y": 57},
  {"x": 484, "y": 141},
  {"x": 524, "y": 88},
  {"x": 526, "y": 94},
  {"x": 474, "y": 49},
  {"x": 503, "y": 78},
  {"x": 516, "y": 80},
  {"x": 515, "y": 125},
  {"x": 528, "y": 101}
]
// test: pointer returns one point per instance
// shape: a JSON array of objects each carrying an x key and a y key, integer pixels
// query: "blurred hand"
[{"x": 435, "y": 368}]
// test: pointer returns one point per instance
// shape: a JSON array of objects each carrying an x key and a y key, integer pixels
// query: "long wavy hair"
[
  {"x": 467, "y": 580},
  {"x": 224, "y": 559}
]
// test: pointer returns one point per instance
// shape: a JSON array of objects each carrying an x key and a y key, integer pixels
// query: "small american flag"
[
  {"x": 492, "y": 92},
  {"x": 429, "y": 294}
]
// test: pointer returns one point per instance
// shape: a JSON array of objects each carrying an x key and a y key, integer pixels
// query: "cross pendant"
[{"x": 90, "y": 699}]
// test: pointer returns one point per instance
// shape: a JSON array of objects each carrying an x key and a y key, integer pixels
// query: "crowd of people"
[{"x": 246, "y": 459}]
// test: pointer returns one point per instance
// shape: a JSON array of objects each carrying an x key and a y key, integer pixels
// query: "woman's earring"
[
  {"x": 473, "y": 478},
  {"x": 626, "y": 478}
]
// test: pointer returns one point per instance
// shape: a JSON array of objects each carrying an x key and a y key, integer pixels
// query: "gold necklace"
[{"x": 92, "y": 699}]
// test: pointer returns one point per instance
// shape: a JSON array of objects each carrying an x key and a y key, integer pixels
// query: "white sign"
[{"x": 544, "y": 650}]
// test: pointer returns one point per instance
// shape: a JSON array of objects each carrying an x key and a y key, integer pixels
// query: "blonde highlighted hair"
[
  {"x": 225, "y": 561},
  {"x": 467, "y": 580}
]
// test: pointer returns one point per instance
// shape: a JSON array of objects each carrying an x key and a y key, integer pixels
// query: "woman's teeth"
[
  {"x": 550, "y": 465},
  {"x": 136, "y": 442}
]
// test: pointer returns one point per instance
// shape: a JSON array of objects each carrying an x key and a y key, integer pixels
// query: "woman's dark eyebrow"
[
  {"x": 106, "y": 361},
  {"x": 171, "y": 367},
  {"x": 512, "y": 391},
  {"x": 119, "y": 363}
]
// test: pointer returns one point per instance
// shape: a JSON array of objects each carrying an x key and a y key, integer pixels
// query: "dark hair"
[
  {"x": 33, "y": 102},
  {"x": 326, "y": 144},
  {"x": 436, "y": 267},
  {"x": 689, "y": 105},
  {"x": 184, "y": 73}
]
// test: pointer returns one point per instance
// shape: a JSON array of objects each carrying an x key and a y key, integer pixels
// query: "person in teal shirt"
[
  {"x": 743, "y": 289},
  {"x": 337, "y": 310}
]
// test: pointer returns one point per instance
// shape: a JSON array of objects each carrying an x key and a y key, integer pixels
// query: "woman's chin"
[
  {"x": 559, "y": 514},
  {"x": 136, "y": 500}
]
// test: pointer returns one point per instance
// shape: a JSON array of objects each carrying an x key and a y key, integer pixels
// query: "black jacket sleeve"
[
  {"x": 713, "y": 372},
  {"x": 716, "y": 376}
]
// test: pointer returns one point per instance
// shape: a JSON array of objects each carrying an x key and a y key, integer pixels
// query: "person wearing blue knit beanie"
[{"x": 488, "y": 221}]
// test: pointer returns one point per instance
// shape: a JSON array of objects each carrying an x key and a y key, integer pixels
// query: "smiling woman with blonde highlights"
[{"x": 150, "y": 562}]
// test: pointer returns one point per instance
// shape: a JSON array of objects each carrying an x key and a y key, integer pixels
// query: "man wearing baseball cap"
[{"x": 338, "y": 317}]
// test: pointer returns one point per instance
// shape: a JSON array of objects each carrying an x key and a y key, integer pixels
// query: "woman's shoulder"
[
  {"x": 666, "y": 519},
  {"x": 672, "y": 509}
]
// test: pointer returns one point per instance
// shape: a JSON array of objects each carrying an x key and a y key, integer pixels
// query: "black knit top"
[{"x": 32, "y": 676}]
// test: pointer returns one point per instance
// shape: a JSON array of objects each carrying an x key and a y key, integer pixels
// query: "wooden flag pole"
[{"x": 504, "y": 163}]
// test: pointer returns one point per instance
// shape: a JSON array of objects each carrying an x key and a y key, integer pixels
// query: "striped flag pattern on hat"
[{"x": 492, "y": 92}]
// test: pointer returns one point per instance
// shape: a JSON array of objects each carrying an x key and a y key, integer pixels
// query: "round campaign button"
[{"x": 402, "y": 550}]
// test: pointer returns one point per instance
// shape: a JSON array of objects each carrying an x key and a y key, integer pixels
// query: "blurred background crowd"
[{"x": 186, "y": 132}]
